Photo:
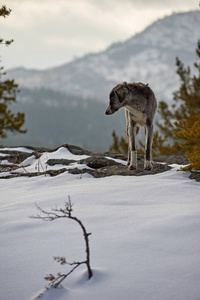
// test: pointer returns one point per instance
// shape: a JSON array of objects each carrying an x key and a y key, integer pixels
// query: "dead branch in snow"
[{"x": 66, "y": 212}]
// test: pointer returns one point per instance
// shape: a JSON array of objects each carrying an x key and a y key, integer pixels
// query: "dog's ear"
[
  {"x": 125, "y": 87},
  {"x": 118, "y": 97}
]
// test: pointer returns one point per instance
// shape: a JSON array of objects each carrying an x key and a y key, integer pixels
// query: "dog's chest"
[{"x": 138, "y": 116}]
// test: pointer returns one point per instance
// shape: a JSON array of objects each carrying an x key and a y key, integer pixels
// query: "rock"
[
  {"x": 64, "y": 162},
  {"x": 97, "y": 161},
  {"x": 98, "y": 164},
  {"x": 120, "y": 169},
  {"x": 8, "y": 168},
  {"x": 172, "y": 159},
  {"x": 15, "y": 157},
  {"x": 34, "y": 174},
  {"x": 77, "y": 150},
  {"x": 195, "y": 175}
]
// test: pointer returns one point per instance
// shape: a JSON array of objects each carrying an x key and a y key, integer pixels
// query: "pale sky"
[{"x": 49, "y": 33}]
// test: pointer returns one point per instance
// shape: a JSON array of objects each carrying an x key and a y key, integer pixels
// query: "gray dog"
[{"x": 140, "y": 106}]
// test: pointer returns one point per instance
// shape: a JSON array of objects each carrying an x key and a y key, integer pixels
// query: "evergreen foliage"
[
  {"x": 186, "y": 107},
  {"x": 9, "y": 121},
  {"x": 8, "y": 89},
  {"x": 189, "y": 132},
  {"x": 5, "y": 12}
]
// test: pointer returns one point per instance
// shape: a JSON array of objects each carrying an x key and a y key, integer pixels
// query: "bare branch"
[
  {"x": 55, "y": 214},
  {"x": 57, "y": 281},
  {"x": 50, "y": 216}
]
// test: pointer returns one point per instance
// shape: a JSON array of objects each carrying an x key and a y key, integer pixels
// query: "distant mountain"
[
  {"x": 66, "y": 104},
  {"x": 53, "y": 118},
  {"x": 146, "y": 57}
]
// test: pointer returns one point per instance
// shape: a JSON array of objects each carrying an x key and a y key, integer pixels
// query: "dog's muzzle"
[{"x": 108, "y": 111}]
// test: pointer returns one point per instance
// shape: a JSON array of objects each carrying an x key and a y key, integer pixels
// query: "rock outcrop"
[{"x": 96, "y": 164}]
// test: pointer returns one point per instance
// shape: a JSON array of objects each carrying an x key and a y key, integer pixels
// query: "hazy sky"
[{"x": 48, "y": 33}]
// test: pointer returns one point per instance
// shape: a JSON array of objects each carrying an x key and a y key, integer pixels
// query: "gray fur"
[{"x": 140, "y": 107}]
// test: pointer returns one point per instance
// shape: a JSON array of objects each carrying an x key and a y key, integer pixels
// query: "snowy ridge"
[
  {"x": 144, "y": 243},
  {"x": 146, "y": 57}
]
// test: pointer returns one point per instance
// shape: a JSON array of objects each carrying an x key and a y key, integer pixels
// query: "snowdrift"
[{"x": 145, "y": 234}]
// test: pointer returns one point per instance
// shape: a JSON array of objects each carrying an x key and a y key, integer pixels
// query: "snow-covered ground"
[{"x": 145, "y": 242}]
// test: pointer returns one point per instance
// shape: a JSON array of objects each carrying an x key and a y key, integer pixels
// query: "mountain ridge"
[
  {"x": 148, "y": 56},
  {"x": 66, "y": 104}
]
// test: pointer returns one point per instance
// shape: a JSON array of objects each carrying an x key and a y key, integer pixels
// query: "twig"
[{"x": 66, "y": 212}]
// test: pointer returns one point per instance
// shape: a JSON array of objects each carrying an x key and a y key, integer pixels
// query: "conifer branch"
[{"x": 4, "y": 11}]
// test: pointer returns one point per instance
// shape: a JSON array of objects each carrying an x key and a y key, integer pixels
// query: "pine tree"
[
  {"x": 8, "y": 89},
  {"x": 186, "y": 113},
  {"x": 5, "y": 12},
  {"x": 8, "y": 120},
  {"x": 189, "y": 132},
  {"x": 186, "y": 106}
]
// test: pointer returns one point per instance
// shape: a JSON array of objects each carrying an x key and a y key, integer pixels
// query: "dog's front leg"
[{"x": 132, "y": 146}]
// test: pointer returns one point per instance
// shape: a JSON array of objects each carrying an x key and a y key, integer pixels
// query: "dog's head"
[{"x": 117, "y": 98}]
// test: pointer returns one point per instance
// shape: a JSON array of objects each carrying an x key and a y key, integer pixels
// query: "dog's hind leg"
[
  {"x": 127, "y": 135},
  {"x": 148, "y": 164},
  {"x": 132, "y": 130}
]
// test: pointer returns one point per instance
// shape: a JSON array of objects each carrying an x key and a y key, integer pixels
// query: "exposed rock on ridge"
[{"x": 95, "y": 164}]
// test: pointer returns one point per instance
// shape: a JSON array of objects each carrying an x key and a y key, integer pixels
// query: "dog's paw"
[
  {"x": 132, "y": 167},
  {"x": 148, "y": 165}
]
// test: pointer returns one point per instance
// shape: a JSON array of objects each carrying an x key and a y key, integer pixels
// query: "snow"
[
  {"x": 31, "y": 163},
  {"x": 20, "y": 149},
  {"x": 145, "y": 236}
]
